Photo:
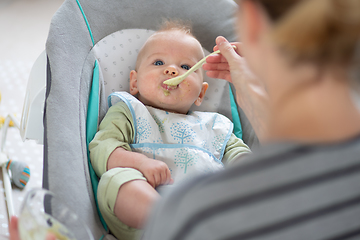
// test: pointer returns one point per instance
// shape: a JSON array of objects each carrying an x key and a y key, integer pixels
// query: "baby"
[{"x": 154, "y": 140}]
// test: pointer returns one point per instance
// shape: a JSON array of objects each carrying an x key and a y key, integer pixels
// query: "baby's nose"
[{"x": 171, "y": 71}]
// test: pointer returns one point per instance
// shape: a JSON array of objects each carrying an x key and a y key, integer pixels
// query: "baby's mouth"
[{"x": 169, "y": 88}]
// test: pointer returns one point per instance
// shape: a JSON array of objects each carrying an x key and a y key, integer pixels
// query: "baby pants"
[{"x": 109, "y": 185}]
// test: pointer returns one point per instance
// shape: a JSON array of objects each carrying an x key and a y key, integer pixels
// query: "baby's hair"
[{"x": 176, "y": 24}]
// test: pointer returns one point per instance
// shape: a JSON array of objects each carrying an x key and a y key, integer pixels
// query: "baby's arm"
[
  {"x": 156, "y": 172},
  {"x": 235, "y": 150},
  {"x": 115, "y": 130},
  {"x": 110, "y": 148}
]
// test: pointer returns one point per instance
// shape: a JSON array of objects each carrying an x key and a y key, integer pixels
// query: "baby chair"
[{"x": 91, "y": 48}]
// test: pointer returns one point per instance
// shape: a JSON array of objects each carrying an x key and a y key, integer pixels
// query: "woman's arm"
[{"x": 251, "y": 94}]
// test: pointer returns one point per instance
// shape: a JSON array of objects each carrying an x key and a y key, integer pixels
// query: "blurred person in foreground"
[{"x": 293, "y": 73}]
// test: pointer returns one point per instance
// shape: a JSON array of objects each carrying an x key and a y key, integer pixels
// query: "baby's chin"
[
  {"x": 168, "y": 102},
  {"x": 167, "y": 106}
]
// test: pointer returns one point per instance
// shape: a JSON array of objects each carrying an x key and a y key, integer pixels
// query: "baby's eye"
[
  {"x": 186, "y": 67},
  {"x": 158, "y": 63}
]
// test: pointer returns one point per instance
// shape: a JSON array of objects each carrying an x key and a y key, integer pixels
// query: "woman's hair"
[{"x": 322, "y": 31}]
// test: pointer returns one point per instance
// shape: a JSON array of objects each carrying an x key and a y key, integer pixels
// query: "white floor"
[{"x": 24, "y": 26}]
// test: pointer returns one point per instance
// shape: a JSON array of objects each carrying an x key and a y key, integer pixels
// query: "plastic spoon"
[{"x": 177, "y": 80}]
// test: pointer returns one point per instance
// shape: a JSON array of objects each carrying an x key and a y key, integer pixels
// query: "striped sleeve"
[{"x": 284, "y": 192}]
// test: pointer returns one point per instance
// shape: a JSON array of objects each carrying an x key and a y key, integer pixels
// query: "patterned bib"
[{"x": 188, "y": 143}]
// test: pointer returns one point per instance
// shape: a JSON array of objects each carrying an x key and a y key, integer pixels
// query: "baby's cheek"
[
  {"x": 144, "y": 91},
  {"x": 185, "y": 85},
  {"x": 189, "y": 91}
]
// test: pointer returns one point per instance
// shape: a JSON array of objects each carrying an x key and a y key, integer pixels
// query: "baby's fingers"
[
  {"x": 161, "y": 177},
  {"x": 169, "y": 179},
  {"x": 152, "y": 180},
  {"x": 165, "y": 176}
]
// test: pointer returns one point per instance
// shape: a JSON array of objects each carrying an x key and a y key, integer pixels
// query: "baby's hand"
[{"x": 156, "y": 172}]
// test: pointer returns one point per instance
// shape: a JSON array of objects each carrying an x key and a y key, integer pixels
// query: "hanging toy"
[{"x": 20, "y": 173}]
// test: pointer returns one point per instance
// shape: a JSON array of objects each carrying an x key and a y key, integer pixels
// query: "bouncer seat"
[{"x": 91, "y": 48}]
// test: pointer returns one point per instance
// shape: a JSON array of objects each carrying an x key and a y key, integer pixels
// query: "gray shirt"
[{"x": 281, "y": 192}]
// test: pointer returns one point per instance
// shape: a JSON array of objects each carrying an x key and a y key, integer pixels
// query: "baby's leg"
[
  {"x": 107, "y": 195},
  {"x": 134, "y": 201}
]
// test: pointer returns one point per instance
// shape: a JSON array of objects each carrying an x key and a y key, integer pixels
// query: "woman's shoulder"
[{"x": 275, "y": 180}]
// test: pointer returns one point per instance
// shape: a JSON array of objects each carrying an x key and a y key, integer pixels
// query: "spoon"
[{"x": 177, "y": 80}]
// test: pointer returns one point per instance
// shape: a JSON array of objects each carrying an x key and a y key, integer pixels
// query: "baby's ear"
[
  {"x": 133, "y": 83},
  {"x": 202, "y": 94}
]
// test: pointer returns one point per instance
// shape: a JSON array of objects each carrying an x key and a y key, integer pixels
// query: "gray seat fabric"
[{"x": 69, "y": 74}]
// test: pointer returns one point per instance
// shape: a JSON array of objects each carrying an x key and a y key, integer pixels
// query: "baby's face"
[{"x": 166, "y": 55}]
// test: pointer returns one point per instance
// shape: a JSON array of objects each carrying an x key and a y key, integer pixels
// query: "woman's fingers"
[
  {"x": 220, "y": 65},
  {"x": 216, "y": 66},
  {"x": 227, "y": 50},
  {"x": 216, "y": 58},
  {"x": 50, "y": 236},
  {"x": 13, "y": 228},
  {"x": 220, "y": 75},
  {"x": 237, "y": 46}
]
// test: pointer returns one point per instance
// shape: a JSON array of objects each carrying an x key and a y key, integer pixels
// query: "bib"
[{"x": 189, "y": 144}]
